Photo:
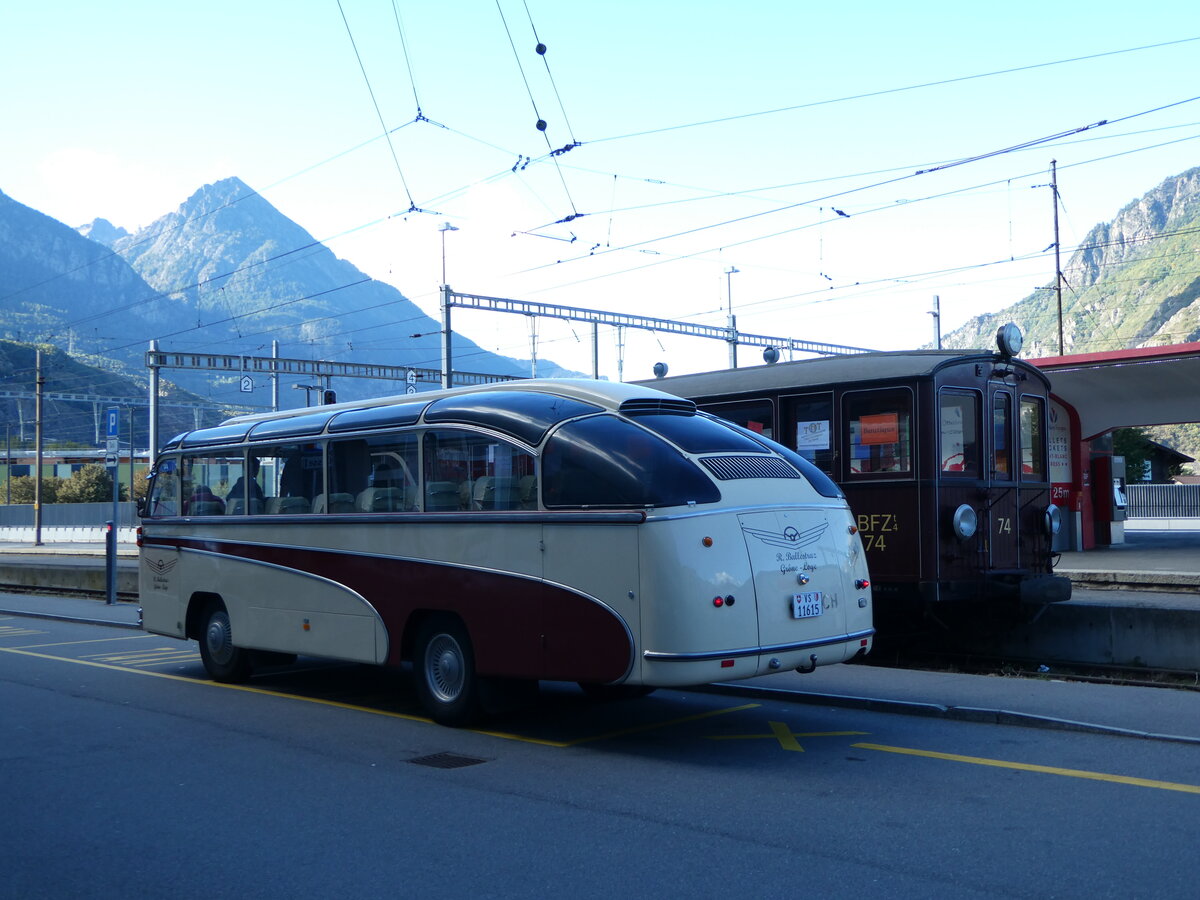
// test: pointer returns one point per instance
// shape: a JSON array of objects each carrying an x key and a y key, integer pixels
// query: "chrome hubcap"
[{"x": 444, "y": 668}]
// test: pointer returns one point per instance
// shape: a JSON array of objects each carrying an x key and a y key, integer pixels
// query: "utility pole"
[
  {"x": 936, "y": 312},
  {"x": 1057, "y": 253},
  {"x": 729, "y": 273},
  {"x": 37, "y": 481}
]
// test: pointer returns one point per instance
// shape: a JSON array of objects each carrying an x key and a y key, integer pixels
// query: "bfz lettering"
[{"x": 874, "y": 529}]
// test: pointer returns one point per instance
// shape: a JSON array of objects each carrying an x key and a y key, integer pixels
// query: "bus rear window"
[
  {"x": 607, "y": 462},
  {"x": 698, "y": 434}
]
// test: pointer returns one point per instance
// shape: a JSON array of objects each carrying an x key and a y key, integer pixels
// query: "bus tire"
[
  {"x": 222, "y": 660},
  {"x": 447, "y": 686},
  {"x": 596, "y": 691}
]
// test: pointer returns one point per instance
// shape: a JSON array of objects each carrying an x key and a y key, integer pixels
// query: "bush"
[
  {"x": 90, "y": 484},
  {"x": 23, "y": 487}
]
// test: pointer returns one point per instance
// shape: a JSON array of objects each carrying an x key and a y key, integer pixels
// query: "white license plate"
[{"x": 806, "y": 605}]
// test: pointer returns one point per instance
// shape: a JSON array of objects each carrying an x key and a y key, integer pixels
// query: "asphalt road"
[{"x": 123, "y": 772}]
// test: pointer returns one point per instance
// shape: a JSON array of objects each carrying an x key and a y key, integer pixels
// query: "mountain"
[
  {"x": 1133, "y": 282},
  {"x": 102, "y": 231},
  {"x": 54, "y": 282},
  {"x": 234, "y": 274},
  {"x": 81, "y": 421},
  {"x": 224, "y": 273}
]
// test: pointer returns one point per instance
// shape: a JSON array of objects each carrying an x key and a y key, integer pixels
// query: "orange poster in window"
[{"x": 883, "y": 428}]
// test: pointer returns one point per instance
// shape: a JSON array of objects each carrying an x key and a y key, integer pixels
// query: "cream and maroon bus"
[{"x": 605, "y": 534}]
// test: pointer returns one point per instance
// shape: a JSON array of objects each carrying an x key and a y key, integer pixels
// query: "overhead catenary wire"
[{"x": 378, "y": 112}]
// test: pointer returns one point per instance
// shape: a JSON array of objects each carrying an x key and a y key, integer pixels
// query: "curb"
[
  {"x": 938, "y": 711},
  {"x": 80, "y": 620}
]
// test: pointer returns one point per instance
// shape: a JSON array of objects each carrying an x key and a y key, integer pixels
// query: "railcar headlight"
[
  {"x": 1053, "y": 520},
  {"x": 965, "y": 522}
]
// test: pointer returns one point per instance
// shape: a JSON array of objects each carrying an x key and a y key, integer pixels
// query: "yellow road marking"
[
  {"x": 785, "y": 736},
  {"x": 249, "y": 689},
  {"x": 17, "y": 631},
  {"x": 1031, "y": 767},
  {"x": 132, "y": 637}
]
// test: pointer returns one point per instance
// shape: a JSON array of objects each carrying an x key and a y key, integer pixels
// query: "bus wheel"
[
  {"x": 223, "y": 661},
  {"x": 445, "y": 672},
  {"x": 615, "y": 691}
]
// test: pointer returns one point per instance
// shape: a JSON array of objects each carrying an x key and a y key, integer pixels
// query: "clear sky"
[{"x": 122, "y": 110}]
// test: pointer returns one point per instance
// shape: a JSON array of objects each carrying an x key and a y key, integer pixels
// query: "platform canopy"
[{"x": 1128, "y": 388}]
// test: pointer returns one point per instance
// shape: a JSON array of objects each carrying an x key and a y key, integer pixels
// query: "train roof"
[{"x": 858, "y": 367}]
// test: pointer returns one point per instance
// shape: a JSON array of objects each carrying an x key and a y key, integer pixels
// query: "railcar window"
[
  {"x": 698, "y": 434},
  {"x": 754, "y": 415},
  {"x": 1001, "y": 442},
  {"x": 205, "y": 481},
  {"x": 880, "y": 433},
  {"x": 285, "y": 479},
  {"x": 607, "y": 462},
  {"x": 959, "y": 433},
  {"x": 469, "y": 471},
  {"x": 809, "y": 420},
  {"x": 1033, "y": 441}
]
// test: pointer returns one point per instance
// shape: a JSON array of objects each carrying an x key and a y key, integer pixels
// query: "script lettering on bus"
[{"x": 875, "y": 527}]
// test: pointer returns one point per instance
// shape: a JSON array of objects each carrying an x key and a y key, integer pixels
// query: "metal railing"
[{"x": 1162, "y": 501}]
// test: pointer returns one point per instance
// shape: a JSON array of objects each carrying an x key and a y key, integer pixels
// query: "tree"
[
  {"x": 1134, "y": 445},
  {"x": 90, "y": 484},
  {"x": 23, "y": 487}
]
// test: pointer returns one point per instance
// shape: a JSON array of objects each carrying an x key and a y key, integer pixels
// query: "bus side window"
[
  {"x": 393, "y": 476},
  {"x": 349, "y": 468},
  {"x": 164, "y": 492},
  {"x": 470, "y": 471},
  {"x": 205, "y": 482}
]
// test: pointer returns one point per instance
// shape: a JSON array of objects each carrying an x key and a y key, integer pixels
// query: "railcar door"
[
  {"x": 1003, "y": 520},
  {"x": 964, "y": 522}
]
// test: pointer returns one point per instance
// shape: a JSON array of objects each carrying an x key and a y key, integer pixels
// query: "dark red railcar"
[{"x": 941, "y": 454}]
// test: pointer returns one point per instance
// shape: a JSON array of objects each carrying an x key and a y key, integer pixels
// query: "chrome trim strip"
[{"x": 659, "y": 656}]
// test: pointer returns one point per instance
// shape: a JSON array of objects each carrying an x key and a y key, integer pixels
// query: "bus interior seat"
[
  {"x": 528, "y": 491},
  {"x": 494, "y": 493},
  {"x": 441, "y": 495},
  {"x": 287, "y": 505},
  {"x": 382, "y": 499},
  {"x": 333, "y": 503},
  {"x": 238, "y": 507}
]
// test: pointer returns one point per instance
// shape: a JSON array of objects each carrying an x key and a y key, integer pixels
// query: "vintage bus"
[
  {"x": 941, "y": 454},
  {"x": 605, "y": 534}
]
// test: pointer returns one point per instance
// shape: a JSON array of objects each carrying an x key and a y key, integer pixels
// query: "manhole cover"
[{"x": 447, "y": 761}]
